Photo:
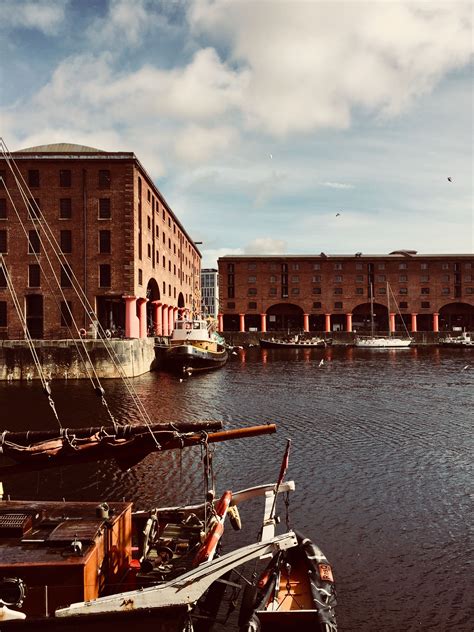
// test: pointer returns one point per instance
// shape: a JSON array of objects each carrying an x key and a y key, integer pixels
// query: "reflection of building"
[
  {"x": 117, "y": 234},
  {"x": 209, "y": 292},
  {"x": 333, "y": 292}
]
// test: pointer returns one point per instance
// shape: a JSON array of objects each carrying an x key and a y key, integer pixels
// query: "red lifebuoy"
[{"x": 208, "y": 548}]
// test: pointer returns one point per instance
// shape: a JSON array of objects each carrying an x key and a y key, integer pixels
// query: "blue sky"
[{"x": 259, "y": 121}]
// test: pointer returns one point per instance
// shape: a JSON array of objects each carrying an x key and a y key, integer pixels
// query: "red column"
[
  {"x": 436, "y": 321},
  {"x": 348, "y": 322},
  {"x": 392, "y": 322},
  {"x": 241, "y": 322},
  {"x": 305, "y": 322},
  {"x": 328, "y": 323},
  {"x": 263, "y": 323},
  {"x": 413, "y": 323},
  {"x": 165, "y": 321},
  {"x": 157, "y": 322},
  {"x": 141, "y": 302},
  {"x": 131, "y": 323},
  {"x": 170, "y": 320},
  {"x": 220, "y": 322}
]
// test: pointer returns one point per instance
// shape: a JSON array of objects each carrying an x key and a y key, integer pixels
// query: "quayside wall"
[
  {"x": 337, "y": 338},
  {"x": 60, "y": 359}
]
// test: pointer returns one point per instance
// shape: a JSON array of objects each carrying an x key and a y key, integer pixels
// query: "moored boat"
[
  {"x": 464, "y": 340},
  {"x": 194, "y": 348},
  {"x": 292, "y": 343}
]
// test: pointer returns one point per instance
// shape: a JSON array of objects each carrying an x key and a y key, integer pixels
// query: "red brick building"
[
  {"x": 117, "y": 235},
  {"x": 333, "y": 292}
]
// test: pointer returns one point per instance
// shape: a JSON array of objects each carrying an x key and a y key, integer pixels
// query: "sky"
[{"x": 270, "y": 126}]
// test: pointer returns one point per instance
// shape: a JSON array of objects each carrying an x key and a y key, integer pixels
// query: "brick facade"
[
  {"x": 123, "y": 243},
  {"x": 332, "y": 292}
]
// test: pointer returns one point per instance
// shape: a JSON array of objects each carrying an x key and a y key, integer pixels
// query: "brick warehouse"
[
  {"x": 332, "y": 292},
  {"x": 128, "y": 250}
]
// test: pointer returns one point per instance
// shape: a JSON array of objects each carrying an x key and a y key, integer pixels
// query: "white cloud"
[
  {"x": 266, "y": 246},
  {"x": 196, "y": 143},
  {"x": 44, "y": 15},
  {"x": 337, "y": 185}
]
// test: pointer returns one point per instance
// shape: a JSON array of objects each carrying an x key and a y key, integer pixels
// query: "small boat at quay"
[
  {"x": 296, "y": 342},
  {"x": 194, "y": 348},
  {"x": 464, "y": 340},
  {"x": 295, "y": 592}
]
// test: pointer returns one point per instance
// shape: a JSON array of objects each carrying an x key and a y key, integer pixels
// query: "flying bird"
[
  {"x": 271, "y": 156},
  {"x": 450, "y": 179},
  {"x": 321, "y": 362},
  {"x": 466, "y": 367},
  {"x": 337, "y": 214}
]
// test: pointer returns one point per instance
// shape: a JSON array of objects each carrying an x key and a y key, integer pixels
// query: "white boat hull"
[{"x": 382, "y": 343}]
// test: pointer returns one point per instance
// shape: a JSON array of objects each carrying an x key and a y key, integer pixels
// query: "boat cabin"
[{"x": 194, "y": 332}]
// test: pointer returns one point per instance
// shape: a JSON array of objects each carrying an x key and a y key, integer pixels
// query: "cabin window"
[
  {"x": 104, "y": 208},
  {"x": 3, "y": 241},
  {"x": 104, "y": 179},
  {"x": 3, "y": 314},
  {"x": 34, "y": 276},
  {"x": 66, "y": 275},
  {"x": 104, "y": 241},
  {"x": 66, "y": 313},
  {"x": 64, "y": 177},
  {"x": 3, "y": 208},
  {"x": 104, "y": 275},
  {"x": 65, "y": 241},
  {"x": 34, "y": 244},
  {"x": 33, "y": 178}
]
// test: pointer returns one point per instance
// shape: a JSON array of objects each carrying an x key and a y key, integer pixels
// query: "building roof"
[
  {"x": 391, "y": 255},
  {"x": 60, "y": 148}
]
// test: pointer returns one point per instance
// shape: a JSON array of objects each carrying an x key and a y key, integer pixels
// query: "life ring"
[
  {"x": 82, "y": 332},
  {"x": 208, "y": 548}
]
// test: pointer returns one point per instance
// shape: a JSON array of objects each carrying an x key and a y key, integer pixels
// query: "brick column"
[
  {"x": 327, "y": 328},
  {"x": 220, "y": 322},
  {"x": 305, "y": 322},
  {"x": 165, "y": 320},
  {"x": 413, "y": 323},
  {"x": 241, "y": 322},
  {"x": 349, "y": 322},
  {"x": 131, "y": 320},
  {"x": 436, "y": 321},
  {"x": 170, "y": 319},
  {"x": 157, "y": 322},
  {"x": 263, "y": 323},
  {"x": 391, "y": 322}
]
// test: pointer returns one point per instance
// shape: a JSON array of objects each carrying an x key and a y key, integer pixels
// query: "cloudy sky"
[{"x": 260, "y": 121}]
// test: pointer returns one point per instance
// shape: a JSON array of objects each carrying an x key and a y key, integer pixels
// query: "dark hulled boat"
[{"x": 193, "y": 348}]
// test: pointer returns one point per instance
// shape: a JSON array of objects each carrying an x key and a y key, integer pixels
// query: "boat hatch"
[
  {"x": 15, "y": 524},
  {"x": 84, "y": 530}
]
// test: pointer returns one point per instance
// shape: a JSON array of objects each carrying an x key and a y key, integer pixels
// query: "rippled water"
[{"x": 382, "y": 445}]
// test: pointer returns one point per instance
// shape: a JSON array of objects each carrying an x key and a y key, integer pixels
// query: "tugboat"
[{"x": 194, "y": 347}]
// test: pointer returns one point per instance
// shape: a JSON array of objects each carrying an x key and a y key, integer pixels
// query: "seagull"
[
  {"x": 466, "y": 367},
  {"x": 337, "y": 214},
  {"x": 271, "y": 156},
  {"x": 450, "y": 179},
  {"x": 321, "y": 362}
]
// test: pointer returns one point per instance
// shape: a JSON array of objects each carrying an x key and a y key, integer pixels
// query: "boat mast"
[
  {"x": 371, "y": 310},
  {"x": 388, "y": 308}
]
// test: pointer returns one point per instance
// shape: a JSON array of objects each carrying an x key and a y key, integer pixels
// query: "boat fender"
[
  {"x": 234, "y": 517},
  {"x": 6, "y": 614}
]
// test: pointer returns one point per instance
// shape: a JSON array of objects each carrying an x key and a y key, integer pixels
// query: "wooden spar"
[
  {"x": 126, "y": 452},
  {"x": 32, "y": 436}
]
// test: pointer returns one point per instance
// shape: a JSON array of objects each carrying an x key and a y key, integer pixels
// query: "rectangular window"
[
  {"x": 273, "y": 279},
  {"x": 230, "y": 292},
  {"x": 338, "y": 278},
  {"x": 359, "y": 266},
  {"x": 445, "y": 266},
  {"x": 360, "y": 278},
  {"x": 445, "y": 277},
  {"x": 65, "y": 208},
  {"x": 470, "y": 290},
  {"x": 66, "y": 314},
  {"x": 65, "y": 241},
  {"x": 252, "y": 279},
  {"x": 316, "y": 278},
  {"x": 295, "y": 279},
  {"x": 65, "y": 178},
  {"x": 338, "y": 266},
  {"x": 338, "y": 290},
  {"x": 284, "y": 291},
  {"x": 338, "y": 305},
  {"x": 3, "y": 208},
  {"x": 468, "y": 266},
  {"x": 3, "y": 278},
  {"x": 104, "y": 208},
  {"x": 316, "y": 290},
  {"x": 149, "y": 251},
  {"x": 295, "y": 266},
  {"x": 381, "y": 278},
  {"x": 252, "y": 305},
  {"x": 273, "y": 291},
  {"x": 104, "y": 179},
  {"x": 66, "y": 275},
  {"x": 403, "y": 305},
  {"x": 34, "y": 276},
  {"x": 105, "y": 276},
  {"x": 140, "y": 276},
  {"x": 33, "y": 178},
  {"x": 164, "y": 288},
  {"x": 425, "y": 278},
  {"x": 3, "y": 314},
  {"x": 230, "y": 305},
  {"x": 295, "y": 291},
  {"x": 445, "y": 291},
  {"x": 252, "y": 266},
  {"x": 105, "y": 241},
  {"x": 316, "y": 266},
  {"x": 425, "y": 304},
  {"x": 148, "y": 221},
  {"x": 402, "y": 266},
  {"x": 359, "y": 290},
  {"x": 317, "y": 305},
  {"x": 382, "y": 290},
  {"x": 381, "y": 266},
  {"x": 425, "y": 290},
  {"x": 230, "y": 267},
  {"x": 424, "y": 266},
  {"x": 403, "y": 290},
  {"x": 3, "y": 178},
  {"x": 252, "y": 291},
  {"x": 3, "y": 241},
  {"x": 33, "y": 208},
  {"x": 34, "y": 245},
  {"x": 403, "y": 278}
]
